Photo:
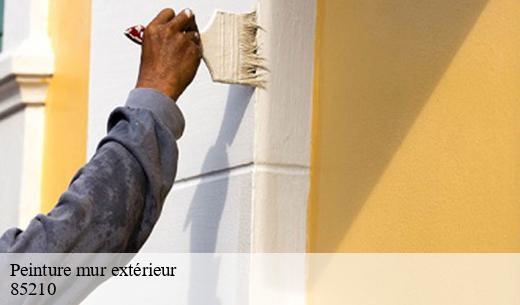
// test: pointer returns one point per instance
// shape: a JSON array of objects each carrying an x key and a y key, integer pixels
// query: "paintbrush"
[{"x": 229, "y": 48}]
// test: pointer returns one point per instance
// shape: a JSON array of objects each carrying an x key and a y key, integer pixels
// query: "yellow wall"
[
  {"x": 416, "y": 140},
  {"x": 67, "y": 101}
]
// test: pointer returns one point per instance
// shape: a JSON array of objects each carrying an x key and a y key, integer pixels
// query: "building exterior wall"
[
  {"x": 12, "y": 126},
  {"x": 209, "y": 208},
  {"x": 26, "y": 63},
  {"x": 244, "y": 165},
  {"x": 67, "y": 98},
  {"x": 283, "y": 126},
  {"x": 243, "y": 169},
  {"x": 416, "y": 134},
  {"x": 11, "y": 131}
]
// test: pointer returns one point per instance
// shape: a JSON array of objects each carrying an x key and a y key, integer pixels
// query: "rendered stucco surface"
[
  {"x": 283, "y": 125},
  {"x": 11, "y": 126},
  {"x": 25, "y": 64},
  {"x": 67, "y": 98},
  {"x": 12, "y": 137},
  {"x": 211, "y": 201},
  {"x": 416, "y": 127},
  {"x": 14, "y": 30}
]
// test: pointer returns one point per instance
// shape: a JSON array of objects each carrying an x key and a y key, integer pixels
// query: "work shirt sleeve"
[{"x": 114, "y": 201}]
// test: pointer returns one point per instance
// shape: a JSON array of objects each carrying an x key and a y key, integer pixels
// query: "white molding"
[
  {"x": 283, "y": 127},
  {"x": 31, "y": 61},
  {"x": 33, "y": 88},
  {"x": 281, "y": 176}
]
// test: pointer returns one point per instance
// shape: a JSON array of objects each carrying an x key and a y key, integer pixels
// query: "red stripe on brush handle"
[{"x": 135, "y": 33}]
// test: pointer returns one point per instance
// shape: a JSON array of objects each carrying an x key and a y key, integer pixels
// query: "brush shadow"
[{"x": 205, "y": 212}]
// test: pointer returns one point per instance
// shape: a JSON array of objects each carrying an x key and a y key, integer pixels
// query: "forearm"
[{"x": 115, "y": 200}]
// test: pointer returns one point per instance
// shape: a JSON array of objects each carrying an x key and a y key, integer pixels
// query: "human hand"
[{"x": 171, "y": 53}]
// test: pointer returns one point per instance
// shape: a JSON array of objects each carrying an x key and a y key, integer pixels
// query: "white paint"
[
  {"x": 33, "y": 89},
  {"x": 26, "y": 64},
  {"x": 243, "y": 174},
  {"x": 30, "y": 193},
  {"x": 243, "y": 177},
  {"x": 11, "y": 158},
  {"x": 16, "y": 27},
  {"x": 23, "y": 96},
  {"x": 283, "y": 126},
  {"x": 210, "y": 195},
  {"x": 217, "y": 218},
  {"x": 280, "y": 208},
  {"x": 27, "y": 46},
  {"x": 114, "y": 66},
  {"x": 21, "y": 129},
  {"x": 34, "y": 56},
  {"x": 283, "y": 113},
  {"x": 282, "y": 147}
]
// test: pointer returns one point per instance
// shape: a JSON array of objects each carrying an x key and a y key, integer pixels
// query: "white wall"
[
  {"x": 11, "y": 137},
  {"x": 15, "y": 32},
  {"x": 209, "y": 208},
  {"x": 11, "y": 122},
  {"x": 26, "y": 63}
]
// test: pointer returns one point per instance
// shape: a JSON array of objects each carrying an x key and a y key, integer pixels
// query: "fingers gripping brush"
[{"x": 229, "y": 48}]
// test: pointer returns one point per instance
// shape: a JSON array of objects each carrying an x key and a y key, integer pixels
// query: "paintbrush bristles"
[
  {"x": 252, "y": 65},
  {"x": 230, "y": 49}
]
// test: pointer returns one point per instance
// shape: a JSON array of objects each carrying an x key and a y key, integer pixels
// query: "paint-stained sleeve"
[{"x": 114, "y": 201}]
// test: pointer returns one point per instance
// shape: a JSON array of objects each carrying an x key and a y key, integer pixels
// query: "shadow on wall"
[
  {"x": 379, "y": 61},
  {"x": 208, "y": 202}
]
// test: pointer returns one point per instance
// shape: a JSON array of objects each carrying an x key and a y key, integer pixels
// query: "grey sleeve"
[{"x": 114, "y": 201}]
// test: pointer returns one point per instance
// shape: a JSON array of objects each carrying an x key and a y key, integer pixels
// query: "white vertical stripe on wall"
[{"x": 283, "y": 127}]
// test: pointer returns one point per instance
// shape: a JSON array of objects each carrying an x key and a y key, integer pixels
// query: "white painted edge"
[
  {"x": 283, "y": 117},
  {"x": 283, "y": 123}
]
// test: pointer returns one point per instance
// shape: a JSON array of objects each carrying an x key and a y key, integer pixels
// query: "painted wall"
[
  {"x": 283, "y": 127},
  {"x": 416, "y": 127},
  {"x": 11, "y": 131},
  {"x": 11, "y": 125},
  {"x": 23, "y": 75},
  {"x": 209, "y": 208},
  {"x": 67, "y": 99},
  {"x": 242, "y": 183}
]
